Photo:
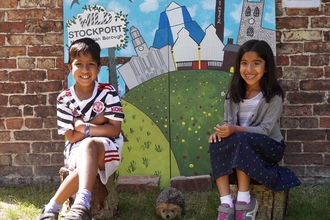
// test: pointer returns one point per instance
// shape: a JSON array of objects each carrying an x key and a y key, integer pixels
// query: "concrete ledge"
[
  {"x": 137, "y": 183},
  {"x": 192, "y": 183}
]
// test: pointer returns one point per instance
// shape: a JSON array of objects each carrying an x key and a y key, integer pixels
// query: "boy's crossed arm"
[{"x": 100, "y": 126}]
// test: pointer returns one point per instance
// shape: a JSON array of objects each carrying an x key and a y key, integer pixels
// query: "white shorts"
[{"x": 112, "y": 157}]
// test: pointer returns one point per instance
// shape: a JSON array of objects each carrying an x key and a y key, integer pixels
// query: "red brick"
[
  {"x": 293, "y": 146},
  {"x": 57, "y": 74},
  {"x": 54, "y": 14},
  {"x": 3, "y": 100},
  {"x": 289, "y": 48},
  {"x": 9, "y": 4},
  {"x": 52, "y": 171},
  {"x": 292, "y": 23},
  {"x": 300, "y": 60},
  {"x": 12, "y": 51},
  {"x": 297, "y": 110},
  {"x": 5, "y": 135},
  {"x": 45, "y": 63},
  {"x": 33, "y": 123},
  {"x": 23, "y": 171},
  {"x": 24, "y": 135},
  {"x": 12, "y": 88},
  {"x": 308, "y": 122},
  {"x": 28, "y": 3},
  {"x": 22, "y": 39},
  {"x": 17, "y": 100},
  {"x": 60, "y": 63},
  {"x": 305, "y": 158},
  {"x": 12, "y": 27},
  {"x": 306, "y": 135},
  {"x": 48, "y": 147},
  {"x": 316, "y": 47},
  {"x": 14, "y": 148},
  {"x": 317, "y": 146},
  {"x": 289, "y": 122},
  {"x": 320, "y": 22},
  {"x": 325, "y": 122},
  {"x": 137, "y": 183},
  {"x": 31, "y": 159},
  {"x": 44, "y": 27},
  {"x": 282, "y": 60},
  {"x": 29, "y": 14},
  {"x": 305, "y": 97},
  {"x": 302, "y": 73},
  {"x": 27, "y": 75},
  {"x": 323, "y": 110},
  {"x": 37, "y": 87},
  {"x": 26, "y": 63},
  {"x": 289, "y": 85},
  {"x": 14, "y": 123},
  {"x": 10, "y": 112},
  {"x": 320, "y": 60},
  {"x": 45, "y": 111},
  {"x": 192, "y": 183},
  {"x": 316, "y": 85},
  {"x": 8, "y": 63},
  {"x": 303, "y": 12},
  {"x": 46, "y": 51}
]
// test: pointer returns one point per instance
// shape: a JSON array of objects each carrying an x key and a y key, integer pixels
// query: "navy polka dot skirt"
[{"x": 257, "y": 155}]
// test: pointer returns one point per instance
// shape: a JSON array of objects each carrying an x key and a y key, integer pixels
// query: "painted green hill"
[{"x": 184, "y": 106}]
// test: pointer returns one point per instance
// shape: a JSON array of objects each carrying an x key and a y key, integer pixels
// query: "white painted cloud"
[
  {"x": 192, "y": 10},
  {"x": 115, "y": 6},
  {"x": 227, "y": 32},
  {"x": 236, "y": 13},
  {"x": 208, "y": 4},
  {"x": 149, "y": 6},
  {"x": 92, "y": 2}
]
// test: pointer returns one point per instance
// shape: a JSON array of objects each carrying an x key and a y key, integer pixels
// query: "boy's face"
[{"x": 84, "y": 69}]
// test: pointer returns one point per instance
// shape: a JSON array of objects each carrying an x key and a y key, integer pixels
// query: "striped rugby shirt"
[{"x": 104, "y": 98}]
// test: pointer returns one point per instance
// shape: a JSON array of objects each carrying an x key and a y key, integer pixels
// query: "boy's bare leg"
[
  {"x": 68, "y": 187},
  {"x": 89, "y": 160}
]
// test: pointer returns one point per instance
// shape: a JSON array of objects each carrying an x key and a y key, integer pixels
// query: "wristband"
[
  {"x": 87, "y": 130},
  {"x": 234, "y": 128}
]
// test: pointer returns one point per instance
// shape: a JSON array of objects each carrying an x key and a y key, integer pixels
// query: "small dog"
[{"x": 170, "y": 203}]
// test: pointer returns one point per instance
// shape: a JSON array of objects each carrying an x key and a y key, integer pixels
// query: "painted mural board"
[{"x": 173, "y": 72}]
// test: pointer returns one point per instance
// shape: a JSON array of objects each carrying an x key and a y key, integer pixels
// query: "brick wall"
[
  {"x": 303, "y": 45},
  {"x": 32, "y": 74}
]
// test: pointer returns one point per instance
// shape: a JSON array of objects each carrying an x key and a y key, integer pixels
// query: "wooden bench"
[{"x": 104, "y": 201}]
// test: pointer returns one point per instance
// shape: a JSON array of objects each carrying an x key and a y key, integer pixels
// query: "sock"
[
  {"x": 244, "y": 197},
  {"x": 83, "y": 197},
  {"x": 227, "y": 200},
  {"x": 52, "y": 207}
]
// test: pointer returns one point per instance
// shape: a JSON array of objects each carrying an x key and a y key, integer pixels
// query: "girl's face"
[
  {"x": 84, "y": 69},
  {"x": 252, "y": 68}
]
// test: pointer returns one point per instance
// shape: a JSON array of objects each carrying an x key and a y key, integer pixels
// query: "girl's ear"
[{"x": 99, "y": 68}]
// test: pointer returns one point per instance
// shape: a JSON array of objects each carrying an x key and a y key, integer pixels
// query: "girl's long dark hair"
[{"x": 268, "y": 83}]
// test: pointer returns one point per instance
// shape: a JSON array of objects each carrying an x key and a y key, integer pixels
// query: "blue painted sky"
[{"x": 144, "y": 15}]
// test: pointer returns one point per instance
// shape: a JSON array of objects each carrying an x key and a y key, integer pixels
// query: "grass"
[{"x": 306, "y": 202}]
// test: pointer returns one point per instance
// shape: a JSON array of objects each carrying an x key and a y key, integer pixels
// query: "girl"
[{"x": 250, "y": 140}]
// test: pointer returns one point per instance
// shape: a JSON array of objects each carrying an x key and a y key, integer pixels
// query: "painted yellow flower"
[{"x": 191, "y": 165}]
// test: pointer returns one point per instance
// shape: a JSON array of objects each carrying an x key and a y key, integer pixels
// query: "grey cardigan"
[{"x": 265, "y": 119}]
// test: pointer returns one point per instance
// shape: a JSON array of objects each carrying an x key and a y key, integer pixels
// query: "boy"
[{"x": 89, "y": 114}]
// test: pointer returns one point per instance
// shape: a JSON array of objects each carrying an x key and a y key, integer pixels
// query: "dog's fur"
[{"x": 170, "y": 203}]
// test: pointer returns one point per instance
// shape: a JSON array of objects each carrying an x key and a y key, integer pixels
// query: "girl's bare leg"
[
  {"x": 223, "y": 185},
  {"x": 243, "y": 181}
]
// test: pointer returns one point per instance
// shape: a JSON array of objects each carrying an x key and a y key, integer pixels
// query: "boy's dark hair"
[
  {"x": 85, "y": 45},
  {"x": 268, "y": 83}
]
